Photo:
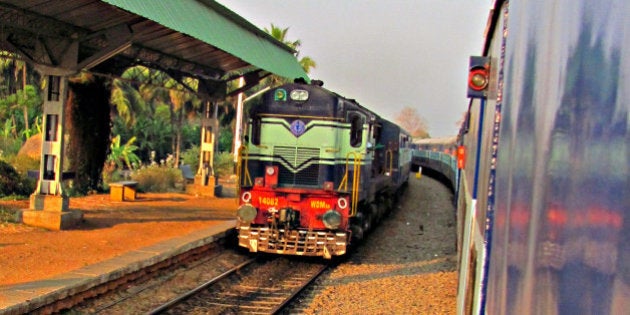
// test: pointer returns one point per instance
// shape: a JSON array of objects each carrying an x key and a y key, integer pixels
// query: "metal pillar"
[{"x": 238, "y": 129}]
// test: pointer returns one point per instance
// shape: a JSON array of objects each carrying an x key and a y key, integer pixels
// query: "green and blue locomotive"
[{"x": 316, "y": 171}]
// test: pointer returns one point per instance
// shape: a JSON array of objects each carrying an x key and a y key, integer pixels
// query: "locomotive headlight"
[
  {"x": 331, "y": 219},
  {"x": 299, "y": 95},
  {"x": 270, "y": 171},
  {"x": 246, "y": 213}
]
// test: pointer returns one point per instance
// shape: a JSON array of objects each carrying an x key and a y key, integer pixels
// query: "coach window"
[
  {"x": 404, "y": 141},
  {"x": 356, "y": 129},
  {"x": 256, "y": 125}
]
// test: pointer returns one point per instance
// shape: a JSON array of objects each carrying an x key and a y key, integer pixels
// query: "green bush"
[
  {"x": 226, "y": 136},
  {"x": 156, "y": 178},
  {"x": 191, "y": 157},
  {"x": 110, "y": 174},
  {"x": 223, "y": 164},
  {"x": 9, "y": 147},
  {"x": 6, "y": 216},
  {"x": 23, "y": 163},
  {"x": 11, "y": 183}
]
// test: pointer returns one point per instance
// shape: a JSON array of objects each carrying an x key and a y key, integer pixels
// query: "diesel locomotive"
[{"x": 316, "y": 172}]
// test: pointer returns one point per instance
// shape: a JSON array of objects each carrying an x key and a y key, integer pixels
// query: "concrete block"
[
  {"x": 52, "y": 220},
  {"x": 123, "y": 191},
  {"x": 201, "y": 190},
  {"x": 49, "y": 202}
]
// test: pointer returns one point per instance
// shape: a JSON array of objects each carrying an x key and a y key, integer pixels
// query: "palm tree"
[
  {"x": 183, "y": 105},
  {"x": 142, "y": 91},
  {"x": 133, "y": 99},
  {"x": 19, "y": 98},
  {"x": 307, "y": 63},
  {"x": 280, "y": 34}
]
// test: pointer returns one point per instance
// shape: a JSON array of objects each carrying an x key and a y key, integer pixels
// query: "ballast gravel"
[{"x": 407, "y": 265}]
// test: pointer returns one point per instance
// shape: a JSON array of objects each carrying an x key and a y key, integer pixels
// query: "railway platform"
[{"x": 115, "y": 239}]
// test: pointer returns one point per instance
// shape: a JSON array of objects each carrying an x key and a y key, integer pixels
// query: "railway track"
[
  {"x": 259, "y": 286},
  {"x": 153, "y": 288}
]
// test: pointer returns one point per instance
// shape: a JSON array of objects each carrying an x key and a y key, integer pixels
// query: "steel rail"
[
  {"x": 171, "y": 303},
  {"x": 296, "y": 292}
]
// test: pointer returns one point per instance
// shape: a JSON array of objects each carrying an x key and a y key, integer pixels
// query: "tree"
[
  {"x": 140, "y": 98},
  {"x": 20, "y": 99},
  {"x": 280, "y": 34},
  {"x": 410, "y": 120},
  {"x": 133, "y": 100},
  {"x": 183, "y": 104},
  {"x": 123, "y": 155},
  {"x": 25, "y": 103},
  {"x": 88, "y": 124}
]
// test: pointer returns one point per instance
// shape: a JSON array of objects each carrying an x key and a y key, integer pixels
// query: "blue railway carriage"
[
  {"x": 544, "y": 200},
  {"x": 446, "y": 145},
  {"x": 317, "y": 170}
]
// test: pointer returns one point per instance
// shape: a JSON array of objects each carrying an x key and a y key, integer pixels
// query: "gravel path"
[{"x": 406, "y": 266}]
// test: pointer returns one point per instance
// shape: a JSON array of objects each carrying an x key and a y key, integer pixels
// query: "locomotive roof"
[{"x": 317, "y": 91}]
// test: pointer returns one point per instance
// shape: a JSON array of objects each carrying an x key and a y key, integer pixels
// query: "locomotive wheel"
[
  {"x": 356, "y": 226},
  {"x": 376, "y": 213},
  {"x": 389, "y": 202},
  {"x": 368, "y": 222},
  {"x": 383, "y": 202},
  {"x": 357, "y": 232}
]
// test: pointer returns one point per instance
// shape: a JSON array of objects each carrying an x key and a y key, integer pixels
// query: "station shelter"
[{"x": 198, "y": 39}]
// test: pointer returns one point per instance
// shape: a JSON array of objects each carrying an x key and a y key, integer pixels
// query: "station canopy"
[{"x": 196, "y": 38}]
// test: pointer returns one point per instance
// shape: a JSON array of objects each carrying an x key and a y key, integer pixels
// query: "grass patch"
[
  {"x": 6, "y": 216},
  {"x": 157, "y": 178}
]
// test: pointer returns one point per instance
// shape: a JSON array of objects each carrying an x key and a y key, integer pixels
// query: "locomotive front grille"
[
  {"x": 297, "y": 166},
  {"x": 293, "y": 242}
]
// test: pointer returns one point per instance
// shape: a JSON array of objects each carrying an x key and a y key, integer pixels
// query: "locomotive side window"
[
  {"x": 356, "y": 128},
  {"x": 377, "y": 132},
  {"x": 256, "y": 130}
]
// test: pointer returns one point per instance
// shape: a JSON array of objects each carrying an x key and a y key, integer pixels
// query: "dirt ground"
[{"x": 109, "y": 229}]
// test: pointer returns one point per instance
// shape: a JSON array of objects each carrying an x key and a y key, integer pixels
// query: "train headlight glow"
[
  {"x": 246, "y": 196},
  {"x": 246, "y": 213},
  {"x": 269, "y": 170},
  {"x": 299, "y": 95},
  {"x": 332, "y": 219}
]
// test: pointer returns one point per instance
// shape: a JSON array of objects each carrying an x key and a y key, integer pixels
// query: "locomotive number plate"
[{"x": 268, "y": 201}]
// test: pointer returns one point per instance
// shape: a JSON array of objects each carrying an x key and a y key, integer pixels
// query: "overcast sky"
[{"x": 386, "y": 54}]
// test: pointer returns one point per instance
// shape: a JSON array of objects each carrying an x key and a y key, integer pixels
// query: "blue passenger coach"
[{"x": 544, "y": 200}]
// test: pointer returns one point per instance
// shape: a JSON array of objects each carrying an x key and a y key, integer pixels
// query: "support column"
[
  {"x": 205, "y": 181},
  {"x": 238, "y": 129},
  {"x": 49, "y": 204}
]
